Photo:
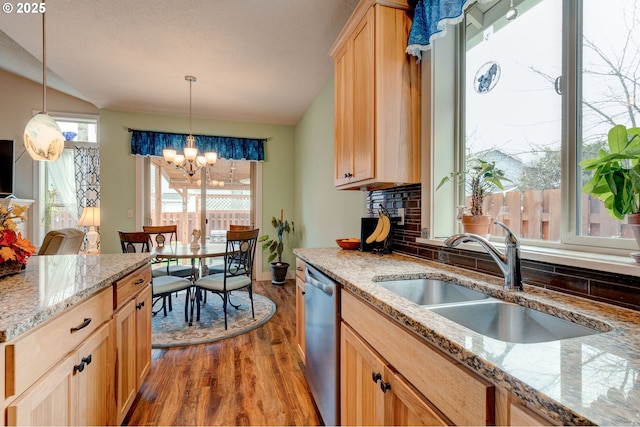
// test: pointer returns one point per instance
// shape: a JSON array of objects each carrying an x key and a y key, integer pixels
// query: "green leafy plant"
[
  {"x": 275, "y": 246},
  {"x": 616, "y": 172},
  {"x": 482, "y": 177}
]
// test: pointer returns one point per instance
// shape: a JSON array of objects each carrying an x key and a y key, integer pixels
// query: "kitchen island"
[
  {"x": 593, "y": 379},
  {"x": 69, "y": 326}
]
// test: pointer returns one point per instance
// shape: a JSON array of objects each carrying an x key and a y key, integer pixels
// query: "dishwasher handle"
[{"x": 327, "y": 289}]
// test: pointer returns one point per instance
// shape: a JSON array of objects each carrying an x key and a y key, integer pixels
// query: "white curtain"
[{"x": 64, "y": 182}]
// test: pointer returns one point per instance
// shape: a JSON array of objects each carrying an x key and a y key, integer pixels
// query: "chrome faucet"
[{"x": 509, "y": 262}]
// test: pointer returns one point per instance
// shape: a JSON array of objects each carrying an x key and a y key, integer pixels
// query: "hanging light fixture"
[
  {"x": 43, "y": 139},
  {"x": 190, "y": 161}
]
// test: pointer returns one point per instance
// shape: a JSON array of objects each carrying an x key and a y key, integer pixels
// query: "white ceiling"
[{"x": 260, "y": 61}]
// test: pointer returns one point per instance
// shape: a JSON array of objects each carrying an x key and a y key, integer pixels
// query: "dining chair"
[
  {"x": 161, "y": 286},
  {"x": 62, "y": 242},
  {"x": 236, "y": 227},
  {"x": 237, "y": 274},
  {"x": 161, "y": 235}
]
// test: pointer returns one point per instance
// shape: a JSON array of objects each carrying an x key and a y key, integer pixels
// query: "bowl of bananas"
[{"x": 350, "y": 243}]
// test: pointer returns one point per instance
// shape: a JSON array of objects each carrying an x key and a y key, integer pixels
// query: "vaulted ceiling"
[{"x": 260, "y": 61}]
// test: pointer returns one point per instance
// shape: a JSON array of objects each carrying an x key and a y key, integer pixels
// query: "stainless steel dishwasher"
[{"x": 322, "y": 310}]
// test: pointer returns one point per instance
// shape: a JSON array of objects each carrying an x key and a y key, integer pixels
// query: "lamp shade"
[
  {"x": 43, "y": 139},
  {"x": 90, "y": 217}
]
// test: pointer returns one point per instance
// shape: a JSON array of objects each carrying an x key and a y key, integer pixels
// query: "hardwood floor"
[{"x": 253, "y": 379}]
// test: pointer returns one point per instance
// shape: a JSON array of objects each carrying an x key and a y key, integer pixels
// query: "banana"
[
  {"x": 386, "y": 228},
  {"x": 372, "y": 237}
]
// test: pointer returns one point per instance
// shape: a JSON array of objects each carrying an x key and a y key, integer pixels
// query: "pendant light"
[
  {"x": 512, "y": 13},
  {"x": 190, "y": 162},
  {"x": 43, "y": 139}
]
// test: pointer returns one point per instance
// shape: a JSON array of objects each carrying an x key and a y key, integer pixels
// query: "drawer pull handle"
[
  {"x": 82, "y": 325},
  {"x": 87, "y": 359},
  {"x": 376, "y": 376},
  {"x": 78, "y": 368},
  {"x": 139, "y": 281},
  {"x": 139, "y": 306},
  {"x": 384, "y": 386}
]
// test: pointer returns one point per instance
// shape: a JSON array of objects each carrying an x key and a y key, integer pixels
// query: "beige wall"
[
  {"x": 324, "y": 213},
  {"x": 20, "y": 97},
  {"x": 117, "y": 171}
]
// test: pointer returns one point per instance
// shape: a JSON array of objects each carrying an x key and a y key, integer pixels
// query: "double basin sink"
[{"x": 487, "y": 316}]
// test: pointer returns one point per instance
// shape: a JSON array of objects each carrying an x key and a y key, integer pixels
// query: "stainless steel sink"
[
  {"x": 432, "y": 291},
  {"x": 511, "y": 322}
]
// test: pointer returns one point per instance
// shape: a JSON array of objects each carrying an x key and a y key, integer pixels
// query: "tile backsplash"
[{"x": 617, "y": 289}]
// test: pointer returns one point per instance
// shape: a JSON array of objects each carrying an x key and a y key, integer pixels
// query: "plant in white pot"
[
  {"x": 616, "y": 176},
  {"x": 275, "y": 246},
  {"x": 482, "y": 178}
]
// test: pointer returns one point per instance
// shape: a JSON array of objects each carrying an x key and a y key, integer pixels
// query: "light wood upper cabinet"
[{"x": 377, "y": 100}]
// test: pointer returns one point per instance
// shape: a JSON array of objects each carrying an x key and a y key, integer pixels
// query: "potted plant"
[
  {"x": 616, "y": 176},
  {"x": 275, "y": 247},
  {"x": 483, "y": 177}
]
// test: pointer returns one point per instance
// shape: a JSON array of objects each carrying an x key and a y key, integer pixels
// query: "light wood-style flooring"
[{"x": 256, "y": 378}]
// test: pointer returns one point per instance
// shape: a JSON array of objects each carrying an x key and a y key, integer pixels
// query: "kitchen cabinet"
[
  {"x": 377, "y": 99},
  {"x": 132, "y": 319},
  {"x": 373, "y": 393},
  {"x": 427, "y": 386},
  {"x": 300, "y": 312},
  {"x": 60, "y": 373}
]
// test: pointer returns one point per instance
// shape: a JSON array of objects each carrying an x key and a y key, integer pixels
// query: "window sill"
[{"x": 593, "y": 261}]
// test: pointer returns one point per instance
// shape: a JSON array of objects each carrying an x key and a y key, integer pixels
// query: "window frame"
[{"x": 446, "y": 71}]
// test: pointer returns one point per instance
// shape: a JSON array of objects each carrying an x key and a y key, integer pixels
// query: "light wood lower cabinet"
[
  {"x": 133, "y": 320},
  {"x": 373, "y": 393},
  {"x": 445, "y": 391},
  {"x": 75, "y": 391},
  {"x": 300, "y": 308}
]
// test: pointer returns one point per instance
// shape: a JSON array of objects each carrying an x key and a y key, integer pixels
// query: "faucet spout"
[{"x": 509, "y": 261}]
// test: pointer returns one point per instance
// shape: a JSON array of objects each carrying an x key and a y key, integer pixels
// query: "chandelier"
[{"x": 190, "y": 162}]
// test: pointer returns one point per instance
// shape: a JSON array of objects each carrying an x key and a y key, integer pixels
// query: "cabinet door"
[
  {"x": 127, "y": 377},
  {"x": 300, "y": 318},
  {"x": 49, "y": 400},
  {"x": 361, "y": 370},
  {"x": 343, "y": 126},
  {"x": 405, "y": 406},
  {"x": 143, "y": 335},
  {"x": 363, "y": 139},
  {"x": 95, "y": 381}
]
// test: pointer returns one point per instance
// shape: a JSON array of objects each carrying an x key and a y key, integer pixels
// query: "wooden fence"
[{"x": 536, "y": 214}]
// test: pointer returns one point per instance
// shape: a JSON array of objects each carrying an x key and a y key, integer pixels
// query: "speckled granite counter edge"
[
  {"x": 42, "y": 316},
  {"x": 534, "y": 298}
]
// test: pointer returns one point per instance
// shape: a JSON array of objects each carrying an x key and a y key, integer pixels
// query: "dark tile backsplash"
[{"x": 617, "y": 289}]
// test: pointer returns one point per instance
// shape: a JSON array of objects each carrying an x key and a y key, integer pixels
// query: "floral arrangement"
[{"x": 14, "y": 249}]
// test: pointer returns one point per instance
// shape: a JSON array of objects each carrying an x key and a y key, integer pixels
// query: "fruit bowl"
[{"x": 351, "y": 243}]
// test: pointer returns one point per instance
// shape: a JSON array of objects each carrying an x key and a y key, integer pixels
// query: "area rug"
[{"x": 173, "y": 331}]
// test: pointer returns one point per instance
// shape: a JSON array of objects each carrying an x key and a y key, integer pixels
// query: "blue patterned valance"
[
  {"x": 430, "y": 20},
  {"x": 149, "y": 143}
]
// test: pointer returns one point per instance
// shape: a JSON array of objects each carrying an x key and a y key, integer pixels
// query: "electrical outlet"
[
  {"x": 130, "y": 213},
  {"x": 401, "y": 215}
]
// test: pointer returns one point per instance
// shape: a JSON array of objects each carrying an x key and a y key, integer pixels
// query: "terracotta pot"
[
  {"x": 634, "y": 221},
  {"x": 476, "y": 224}
]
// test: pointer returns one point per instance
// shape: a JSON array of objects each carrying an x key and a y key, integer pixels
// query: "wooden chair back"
[
  {"x": 236, "y": 227},
  {"x": 158, "y": 234},
  {"x": 240, "y": 254},
  {"x": 134, "y": 241}
]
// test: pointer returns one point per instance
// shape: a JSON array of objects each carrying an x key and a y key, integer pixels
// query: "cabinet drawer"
[
  {"x": 301, "y": 269},
  {"x": 128, "y": 286},
  {"x": 462, "y": 396},
  {"x": 28, "y": 357}
]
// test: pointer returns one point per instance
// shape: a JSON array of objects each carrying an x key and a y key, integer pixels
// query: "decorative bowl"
[{"x": 350, "y": 243}]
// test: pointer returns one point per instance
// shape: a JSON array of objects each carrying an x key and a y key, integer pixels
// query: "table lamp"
[{"x": 91, "y": 218}]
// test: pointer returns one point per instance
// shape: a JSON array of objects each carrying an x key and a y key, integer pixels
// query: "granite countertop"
[
  {"x": 593, "y": 379},
  {"x": 54, "y": 282}
]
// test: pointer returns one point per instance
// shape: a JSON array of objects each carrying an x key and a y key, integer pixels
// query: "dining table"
[{"x": 187, "y": 251}]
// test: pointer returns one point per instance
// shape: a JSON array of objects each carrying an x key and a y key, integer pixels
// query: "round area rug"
[{"x": 173, "y": 331}]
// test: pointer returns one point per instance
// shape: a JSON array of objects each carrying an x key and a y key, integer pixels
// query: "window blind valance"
[
  {"x": 430, "y": 20},
  {"x": 150, "y": 143}
]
